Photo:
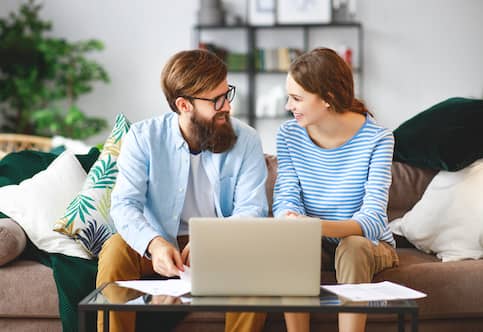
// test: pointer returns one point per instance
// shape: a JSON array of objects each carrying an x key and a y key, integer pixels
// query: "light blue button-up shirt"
[{"x": 154, "y": 164}]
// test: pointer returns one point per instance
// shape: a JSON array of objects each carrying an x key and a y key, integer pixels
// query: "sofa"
[{"x": 29, "y": 300}]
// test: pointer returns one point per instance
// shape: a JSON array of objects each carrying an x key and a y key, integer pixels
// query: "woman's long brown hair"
[{"x": 323, "y": 72}]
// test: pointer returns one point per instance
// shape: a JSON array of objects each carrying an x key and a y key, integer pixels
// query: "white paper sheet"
[
  {"x": 186, "y": 275},
  {"x": 385, "y": 290},
  {"x": 173, "y": 287}
]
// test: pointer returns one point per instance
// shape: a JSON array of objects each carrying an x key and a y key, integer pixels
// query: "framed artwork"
[
  {"x": 261, "y": 12},
  {"x": 303, "y": 11}
]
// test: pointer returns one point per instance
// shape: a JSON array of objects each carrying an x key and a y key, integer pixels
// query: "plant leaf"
[
  {"x": 79, "y": 205},
  {"x": 93, "y": 237}
]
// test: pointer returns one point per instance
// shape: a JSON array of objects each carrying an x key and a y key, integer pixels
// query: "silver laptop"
[{"x": 255, "y": 256}]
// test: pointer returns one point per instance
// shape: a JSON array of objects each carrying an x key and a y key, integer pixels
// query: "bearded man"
[{"x": 196, "y": 161}]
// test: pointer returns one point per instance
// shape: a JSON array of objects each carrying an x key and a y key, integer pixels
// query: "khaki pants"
[
  {"x": 356, "y": 260},
  {"x": 118, "y": 261}
]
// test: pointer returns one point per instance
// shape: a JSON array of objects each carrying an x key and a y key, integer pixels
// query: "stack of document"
[
  {"x": 172, "y": 287},
  {"x": 385, "y": 290}
]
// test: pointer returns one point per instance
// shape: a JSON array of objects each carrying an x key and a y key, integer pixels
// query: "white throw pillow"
[
  {"x": 72, "y": 145},
  {"x": 448, "y": 219},
  {"x": 36, "y": 203}
]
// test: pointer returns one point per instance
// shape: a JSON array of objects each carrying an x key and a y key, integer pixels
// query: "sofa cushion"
[
  {"x": 446, "y": 136},
  {"x": 18, "y": 166},
  {"x": 453, "y": 288},
  {"x": 28, "y": 290},
  {"x": 87, "y": 218},
  {"x": 37, "y": 202},
  {"x": 407, "y": 188},
  {"x": 447, "y": 219},
  {"x": 12, "y": 240}
]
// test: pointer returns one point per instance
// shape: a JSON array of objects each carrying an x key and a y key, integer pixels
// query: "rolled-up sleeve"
[
  {"x": 372, "y": 216},
  {"x": 287, "y": 190},
  {"x": 250, "y": 197}
]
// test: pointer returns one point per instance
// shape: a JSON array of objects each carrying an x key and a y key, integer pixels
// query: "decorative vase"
[{"x": 211, "y": 13}]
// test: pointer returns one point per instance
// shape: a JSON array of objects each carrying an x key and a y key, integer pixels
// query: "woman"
[{"x": 334, "y": 163}]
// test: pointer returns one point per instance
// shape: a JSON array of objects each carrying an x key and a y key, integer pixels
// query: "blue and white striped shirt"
[{"x": 348, "y": 182}]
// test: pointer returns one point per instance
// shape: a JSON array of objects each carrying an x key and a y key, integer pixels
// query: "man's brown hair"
[{"x": 190, "y": 73}]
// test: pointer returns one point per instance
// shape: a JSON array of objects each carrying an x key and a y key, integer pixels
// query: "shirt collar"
[{"x": 178, "y": 137}]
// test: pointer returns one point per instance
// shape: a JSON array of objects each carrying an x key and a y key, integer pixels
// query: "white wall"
[
  {"x": 416, "y": 53},
  {"x": 420, "y": 52}
]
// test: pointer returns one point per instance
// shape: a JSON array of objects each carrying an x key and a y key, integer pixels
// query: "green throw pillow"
[
  {"x": 18, "y": 166},
  {"x": 448, "y": 136},
  {"x": 87, "y": 217}
]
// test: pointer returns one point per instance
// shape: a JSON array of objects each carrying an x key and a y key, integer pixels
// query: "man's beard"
[{"x": 214, "y": 137}]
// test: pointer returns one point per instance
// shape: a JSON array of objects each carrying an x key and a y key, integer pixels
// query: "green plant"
[{"x": 42, "y": 77}]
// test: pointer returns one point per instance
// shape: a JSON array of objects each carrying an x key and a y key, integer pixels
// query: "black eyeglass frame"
[{"x": 225, "y": 96}]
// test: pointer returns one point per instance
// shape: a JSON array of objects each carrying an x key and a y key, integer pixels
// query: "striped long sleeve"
[{"x": 348, "y": 182}]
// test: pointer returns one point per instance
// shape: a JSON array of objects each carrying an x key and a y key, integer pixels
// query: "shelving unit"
[{"x": 251, "y": 34}]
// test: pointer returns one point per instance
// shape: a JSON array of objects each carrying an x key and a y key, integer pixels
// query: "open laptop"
[{"x": 255, "y": 256}]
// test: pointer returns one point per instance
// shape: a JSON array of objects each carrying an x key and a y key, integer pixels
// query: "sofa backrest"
[
  {"x": 408, "y": 185},
  {"x": 18, "y": 142}
]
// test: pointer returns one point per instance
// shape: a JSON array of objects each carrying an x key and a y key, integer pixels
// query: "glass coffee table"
[{"x": 112, "y": 297}]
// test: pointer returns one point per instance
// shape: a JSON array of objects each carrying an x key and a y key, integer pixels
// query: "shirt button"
[{"x": 180, "y": 190}]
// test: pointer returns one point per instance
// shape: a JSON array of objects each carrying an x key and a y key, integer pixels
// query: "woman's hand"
[{"x": 291, "y": 214}]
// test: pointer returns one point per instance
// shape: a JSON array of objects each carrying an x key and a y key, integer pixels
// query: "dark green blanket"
[{"x": 74, "y": 277}]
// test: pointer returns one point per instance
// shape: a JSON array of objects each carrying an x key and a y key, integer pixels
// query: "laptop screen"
[{"x": 255, "y": 256}]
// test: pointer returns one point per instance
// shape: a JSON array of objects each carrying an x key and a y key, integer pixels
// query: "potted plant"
[{"x": 42, "y": 77}]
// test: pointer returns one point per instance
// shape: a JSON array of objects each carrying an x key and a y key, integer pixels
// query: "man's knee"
[
  {"x": 117, "y": 261},
  {"x": 116, "y": 247},
  {"x": 113, "y": 244}
]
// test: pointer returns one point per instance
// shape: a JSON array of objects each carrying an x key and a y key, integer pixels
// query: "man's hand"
[
  {"x": 165, "y": 257},
  {"x": 186, "y": 255},
  {"x": 165, "y": 299},
  {"x": 291, "y": 214}
]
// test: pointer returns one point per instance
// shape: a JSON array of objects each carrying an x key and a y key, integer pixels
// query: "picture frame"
[
  {"x": 261, "y": 12},
  {"x": 303, "y": 11}
]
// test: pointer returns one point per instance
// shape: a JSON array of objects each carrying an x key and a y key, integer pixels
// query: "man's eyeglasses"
[{"x": 218, "y": 101}]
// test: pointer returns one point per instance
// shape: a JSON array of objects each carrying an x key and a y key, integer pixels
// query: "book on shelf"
[
  {"x": 234, "y": 61},
  {"x": 275, "y": 59}
]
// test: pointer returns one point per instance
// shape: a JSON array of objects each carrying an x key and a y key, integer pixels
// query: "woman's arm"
[
  {"x": 287, "y": 191},
  {"x": 372, "y": 216},
  {"x": 340, "y": 228}
]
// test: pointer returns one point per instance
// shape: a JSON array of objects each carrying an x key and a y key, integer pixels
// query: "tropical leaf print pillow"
[{"x": 87, "y": 218}]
